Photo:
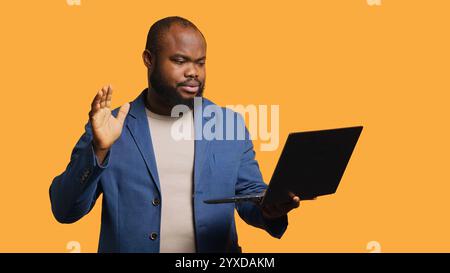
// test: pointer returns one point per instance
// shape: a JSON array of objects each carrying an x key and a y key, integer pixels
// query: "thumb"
[{"x": 123, "y": 111}]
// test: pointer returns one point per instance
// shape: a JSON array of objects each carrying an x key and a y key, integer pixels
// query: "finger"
[
  {"x": 292, "y": 195},
  {"x": 96, "y": 99},
  {"x": 109, "y": 96},
  {"x": 123, "y": 111},
  {"x": 103, "y": 99},
  {"x": 286, "y": 207},
  {"x": 296, "y": 203},
  {"x": 95, "y": 105},
  {"x": 295, "y": 198}
]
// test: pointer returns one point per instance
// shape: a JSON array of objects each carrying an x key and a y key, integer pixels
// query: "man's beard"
[{"x": 169, "y": 94}]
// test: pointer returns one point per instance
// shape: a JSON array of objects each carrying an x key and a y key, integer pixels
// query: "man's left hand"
[{"x": 278, "y": 210}]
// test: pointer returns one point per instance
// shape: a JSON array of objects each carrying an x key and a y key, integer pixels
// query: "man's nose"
[{"x": 191, "y": 71}]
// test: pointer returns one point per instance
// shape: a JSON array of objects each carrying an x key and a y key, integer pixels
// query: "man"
[{"x": 153, "y": 183}]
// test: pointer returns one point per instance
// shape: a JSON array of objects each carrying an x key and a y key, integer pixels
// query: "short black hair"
[{"x": 158, "y": 29}]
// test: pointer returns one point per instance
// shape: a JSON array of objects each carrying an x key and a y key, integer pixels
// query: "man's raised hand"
[{"x": 106, "y": 128}]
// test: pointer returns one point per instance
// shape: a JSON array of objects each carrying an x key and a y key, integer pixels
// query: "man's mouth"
[{"x": 191, "y": 88}]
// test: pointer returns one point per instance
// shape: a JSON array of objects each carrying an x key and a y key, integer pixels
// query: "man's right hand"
[{"x": 106, "y": 128}]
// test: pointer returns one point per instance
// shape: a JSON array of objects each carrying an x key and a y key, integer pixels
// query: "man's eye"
[{"x": 179, "y": 61}]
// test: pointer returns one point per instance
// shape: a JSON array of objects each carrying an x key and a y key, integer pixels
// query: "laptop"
[{"x": 311, "y": 165}]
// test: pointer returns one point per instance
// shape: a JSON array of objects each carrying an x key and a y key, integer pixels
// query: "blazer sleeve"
[
  {"x": 249, "y": 181},
  {"x": 74, "y": 192}
]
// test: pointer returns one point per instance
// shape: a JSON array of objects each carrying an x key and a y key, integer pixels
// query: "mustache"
[{"x": 189, "y": 82}]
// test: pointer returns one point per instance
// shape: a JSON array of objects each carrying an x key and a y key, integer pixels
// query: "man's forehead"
[{"x": 181, "y": 39}]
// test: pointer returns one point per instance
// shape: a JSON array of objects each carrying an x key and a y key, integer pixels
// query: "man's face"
[{"x": 179, "y": 68}]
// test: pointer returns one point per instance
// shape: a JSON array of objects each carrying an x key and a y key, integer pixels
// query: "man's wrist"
[{"x": 100, "y": 154}]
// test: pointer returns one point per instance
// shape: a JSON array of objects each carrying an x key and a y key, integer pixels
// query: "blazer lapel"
[
  {"x": 140, "y": 131},
  {"x": 201, "y": 144}
]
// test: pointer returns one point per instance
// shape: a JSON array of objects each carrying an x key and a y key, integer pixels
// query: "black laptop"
[{"x": 311, "y": 165}]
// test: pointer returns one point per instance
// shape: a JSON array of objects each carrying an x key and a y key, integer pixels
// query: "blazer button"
[
  {"x": 156, "y": 202},
  {"x": 153, "y": 236}
]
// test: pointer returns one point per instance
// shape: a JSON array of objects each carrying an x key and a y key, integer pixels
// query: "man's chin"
[
  {"x": 181, "y": 100},
  {"x": 184, "y": 96},
  {"x": 188, "y": 98}
]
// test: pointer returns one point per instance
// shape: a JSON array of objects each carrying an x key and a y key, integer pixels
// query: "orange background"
[{"x": 326, "y": 63}]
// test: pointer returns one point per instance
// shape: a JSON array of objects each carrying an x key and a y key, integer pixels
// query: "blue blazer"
[{"x": 128, "y": 180}]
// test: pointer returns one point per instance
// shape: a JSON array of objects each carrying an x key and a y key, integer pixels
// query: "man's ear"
[{"x": 148, "y": 59}]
